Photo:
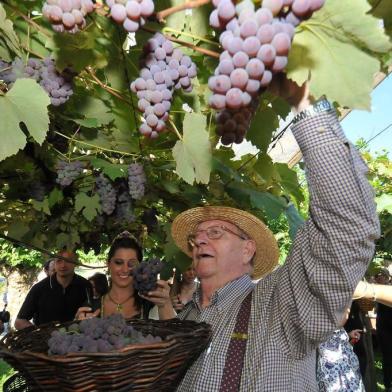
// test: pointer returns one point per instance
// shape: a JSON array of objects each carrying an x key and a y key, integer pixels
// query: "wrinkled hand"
[
  {"x": 86, "y": 312},
  {"x": 160, "y": 296},
  {"x": 297, "y": 96}
]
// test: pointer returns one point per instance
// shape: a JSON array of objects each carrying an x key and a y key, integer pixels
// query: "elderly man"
[
  {"x": 265, "y": 334},
  {"x": 57, "y": 297}
]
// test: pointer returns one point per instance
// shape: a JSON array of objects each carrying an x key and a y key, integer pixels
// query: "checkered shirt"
[{"x": 301, "y": 303}]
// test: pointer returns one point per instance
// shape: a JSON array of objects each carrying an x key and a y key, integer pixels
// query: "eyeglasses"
[{"x": 213, "y": 233}]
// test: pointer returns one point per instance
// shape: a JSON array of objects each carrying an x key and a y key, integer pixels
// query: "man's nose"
[{"x": 201, "y": 238}]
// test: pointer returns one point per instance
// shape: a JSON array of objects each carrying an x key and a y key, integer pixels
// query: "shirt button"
[{"x": 321, "y": 129}]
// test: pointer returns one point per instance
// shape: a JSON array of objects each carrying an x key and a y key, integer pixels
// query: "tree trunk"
[{"x": 19, "y": 282}]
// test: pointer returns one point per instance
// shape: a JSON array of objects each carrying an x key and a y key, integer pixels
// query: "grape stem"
[
  {"x": 29, "y": 21},
  {"x": 162, "y": 15},
  {"x": 94, "y": 146},
  {"x": 175, "y": 129},
  {"x": 106, "y": 87},
  {"x": 183, "y": 43}
]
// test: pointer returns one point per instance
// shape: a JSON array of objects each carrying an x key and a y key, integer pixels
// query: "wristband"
[{"x": 313, "y": 110}]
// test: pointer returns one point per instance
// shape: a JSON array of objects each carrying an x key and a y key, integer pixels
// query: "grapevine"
[
  {"x": 256, "y": 45},
  {"x": 68, "y": 172},
  {"x": 165, "y": 69},
  {"x": 131, "y": 14},
  {"x": 67, "y": 15},
  {"x": 107, "y": 194},
  {"x": 136, "y": 180}
]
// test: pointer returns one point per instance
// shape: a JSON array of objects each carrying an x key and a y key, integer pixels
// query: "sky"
[
  {"x": 357, "y": 124},
  {"x": 360, "y": 123}
]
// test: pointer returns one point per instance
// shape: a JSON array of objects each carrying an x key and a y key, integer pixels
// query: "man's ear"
[{"x": 249, "y": 250}]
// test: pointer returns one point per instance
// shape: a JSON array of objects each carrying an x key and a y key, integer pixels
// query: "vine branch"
[
  {"x": 208, "y": 52},
  {"x": 162, "y": 15}
]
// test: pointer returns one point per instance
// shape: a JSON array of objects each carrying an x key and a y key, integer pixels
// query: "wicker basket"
[{"x": 144, "y": 367}]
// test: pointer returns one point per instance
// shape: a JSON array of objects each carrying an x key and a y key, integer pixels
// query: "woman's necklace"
[{"x": 119, "y": 306}]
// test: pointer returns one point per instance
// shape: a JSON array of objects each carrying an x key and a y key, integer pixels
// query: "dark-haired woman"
[{"x": 124, "y": 255}]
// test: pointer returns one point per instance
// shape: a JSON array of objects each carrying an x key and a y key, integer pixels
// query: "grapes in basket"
[{"x": 97, "y": 335}]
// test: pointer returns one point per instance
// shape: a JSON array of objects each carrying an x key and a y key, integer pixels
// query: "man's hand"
[
  {"x": 161, "y": 298},
  {"x": 297, "y": 96}
]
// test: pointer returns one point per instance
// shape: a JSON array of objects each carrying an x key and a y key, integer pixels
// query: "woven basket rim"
[{"x": 170, "y": 340}]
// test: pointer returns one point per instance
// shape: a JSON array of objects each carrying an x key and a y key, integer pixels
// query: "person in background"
[
  {"x": 183, "y": 289},
  {"x": 384, "y": 330},
  {"x": 100, "y": 286},
  {"x": 338, "y": 367},
  {"x": 57, "y": 297},
  {"x": 49, "y": 267}
]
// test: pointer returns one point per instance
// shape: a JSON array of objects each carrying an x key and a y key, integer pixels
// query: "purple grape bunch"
[
  {"x": 68, "y": 172},
  {"x": 107, "y": 194},
  {"x": 136, "y": 180},
  {"x": 67, "y": 15},
  {"x": 10, "y": 72},
  {"x": 131, "y": 14},
  {"x": 256, "y": 45},
  {"x": 57, "y": 85},
  {"x": 164, "y": 69},
  {"x": 145, "y": 275},
  {"x": 124, "y": 214},
  {"x": 97, "y": 335}
]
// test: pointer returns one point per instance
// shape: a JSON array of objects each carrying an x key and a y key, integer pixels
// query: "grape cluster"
[
  {"x": 124, "y": 211},
  {"x": 10, "y": 72},
  {"x": 131, "y": 14},
  {"x": 136, "y": 180},
  {"x": 224, "y": 12},
  {"x": 145, "y": 275},
  {"x": 256, "y": 46},
  {"x": 107, "y": 194},
  {"x": 97, "y": 335},
  {"x": 68, "y": 172},
  {"x": 57, "y": 85},
  {"x": 67, "y": 15},
  {"x": 164, "y": 69},
  {"x": 232, "y": 124}
]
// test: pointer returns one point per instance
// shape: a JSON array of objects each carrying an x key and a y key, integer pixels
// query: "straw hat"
[{"x": 267, "y": 252}]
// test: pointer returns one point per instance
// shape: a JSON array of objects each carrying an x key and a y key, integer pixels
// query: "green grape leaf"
[
  {"x": 112, "y": 170},
  {"x": 333, "y": 47},
  {"x": 26, "y": 102},
  {"x": 90, "y": 206},
  {"x": 41, "y": 205},
  {"x": 193, "y": 153},
  {"x": 264, "y": 123},
  {"x": 18, "y": 229},
  {"x": 289, "y": 181},
  {"x": 55, "y": 197},
  {"x": 9, "y": 41}
]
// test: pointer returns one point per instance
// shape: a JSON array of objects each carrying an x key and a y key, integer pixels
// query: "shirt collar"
[{"x": 226, "y": 294}]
